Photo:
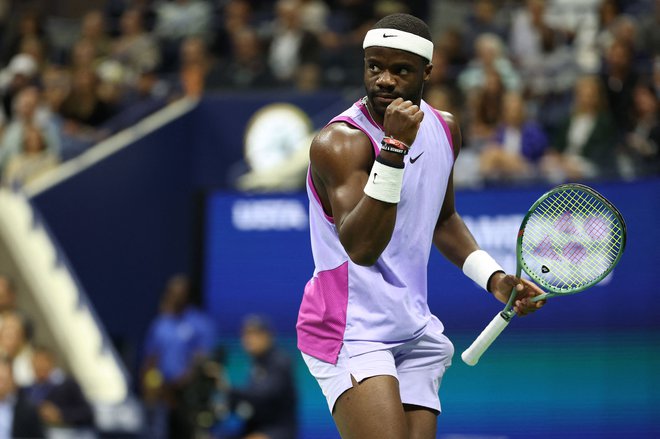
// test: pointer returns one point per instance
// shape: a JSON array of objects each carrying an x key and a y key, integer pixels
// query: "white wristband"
[
  {"x": 480, "y": 266},
  {"x": 384, "y": 183}
]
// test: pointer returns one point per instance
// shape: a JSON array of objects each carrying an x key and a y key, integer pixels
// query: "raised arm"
[{"x": 342, "y": 158}]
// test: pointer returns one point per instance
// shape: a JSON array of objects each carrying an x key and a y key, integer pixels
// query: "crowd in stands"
[
  {"x": 537, "y": 92},
  {"x": 38, "y": 398}
]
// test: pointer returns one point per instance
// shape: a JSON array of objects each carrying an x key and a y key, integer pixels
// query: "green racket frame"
[{"x": 471, "y": 355}]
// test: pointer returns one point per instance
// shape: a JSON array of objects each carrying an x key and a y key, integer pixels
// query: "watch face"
[{"x": 273, "y": 134}]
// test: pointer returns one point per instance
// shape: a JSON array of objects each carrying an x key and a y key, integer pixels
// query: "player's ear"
[{"x": 427, "y": 71}]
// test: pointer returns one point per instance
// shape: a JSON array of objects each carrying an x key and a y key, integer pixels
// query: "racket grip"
[{"x": 472, "y": 354}]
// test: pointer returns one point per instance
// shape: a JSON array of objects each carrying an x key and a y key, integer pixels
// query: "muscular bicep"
[{"x": 341, "y": 159}]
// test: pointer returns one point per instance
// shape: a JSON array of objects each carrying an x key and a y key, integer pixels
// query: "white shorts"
[{"x": 418, "y": 365}]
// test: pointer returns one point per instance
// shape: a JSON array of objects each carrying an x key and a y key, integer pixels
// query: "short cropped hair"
[{"x": 406, "y": 23}]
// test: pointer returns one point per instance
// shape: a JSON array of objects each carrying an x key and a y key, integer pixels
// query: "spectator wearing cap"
[{"x": 268, "y": 400}]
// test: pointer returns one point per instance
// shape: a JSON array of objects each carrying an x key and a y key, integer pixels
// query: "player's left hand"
[{"x": 501, "y": 285}]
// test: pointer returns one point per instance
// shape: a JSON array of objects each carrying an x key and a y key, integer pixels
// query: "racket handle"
[{"x": 472, "y": 354}]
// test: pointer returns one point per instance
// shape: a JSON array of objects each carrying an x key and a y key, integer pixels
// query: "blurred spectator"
[
  {"x": 177, "y": 20},
  {"x": 198, "y": 70},
  {"x": 134, "y": 48},
  {"x": 450, "y": 44},
  {"x": 619, "y": 79},
  {"x": 114, "y": 9},
  {"x": 178, "y": 339},
  {"x": 481, "y": 20},
  {"x": 30, "y": 24},
  {"x": 83, "y": 108},
  {"x": 608, "y": 11},
  {"x": 93, "y": 29},
  {"x": 650, "y": 31},
  {"x": 584, "y": 144},
  {"x": 292, "y": 51},
  {"x": 517, "y": 146},
  {"x": 63, "y": 408},
  {"x": 56, "y": 83},
  {"x": 643, "y": 141},
  {"x": 268, "y": 402},
  {"x": 549, "y": 81},
  {"x": 484, "y": 110},
  {"x": 36, "y": 48},
  {"x": 490, "y": 57},
  {"x": 234, "y": 18},
  {"x": 443, "y": 74},
  {"x": 18, "y": 416},
  {"x": 84, "y": 56},
  {"x": 314, "y": 16},
  {"x": 32, "y": 162},
  {"x": 7, "y": 296},
  {"x": 347, "y": 23},
  {"x": 21, "y": 72},
  {"x": 247, "y": 68},
  {"x": 527, "y": 26},
  {"x": 29, "y": 112},
  {"x": 16, "y": 345}
]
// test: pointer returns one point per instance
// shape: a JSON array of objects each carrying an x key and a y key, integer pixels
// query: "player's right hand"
[{"x": 402, "y": 120}]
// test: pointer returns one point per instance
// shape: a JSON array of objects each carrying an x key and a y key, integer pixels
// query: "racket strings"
[{"x": 570, "y": 240}]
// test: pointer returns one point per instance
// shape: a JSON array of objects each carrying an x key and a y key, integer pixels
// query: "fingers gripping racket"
[{"x": 569, "y": 240}]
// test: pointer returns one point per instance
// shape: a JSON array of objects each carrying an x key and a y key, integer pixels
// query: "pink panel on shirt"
[{"x": 322, "y": 317}]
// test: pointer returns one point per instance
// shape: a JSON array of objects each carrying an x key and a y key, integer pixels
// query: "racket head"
[{"x": 570, "y": 239}]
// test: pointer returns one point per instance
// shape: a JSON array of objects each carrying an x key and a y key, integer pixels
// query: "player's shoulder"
[
  {"x": 340, "y": 148},
  {"x": 342, "y": 140}
]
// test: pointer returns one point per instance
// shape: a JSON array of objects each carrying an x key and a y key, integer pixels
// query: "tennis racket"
[{"x": 569, "y": 240}]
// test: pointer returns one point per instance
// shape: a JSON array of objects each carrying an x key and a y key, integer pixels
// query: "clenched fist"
[{"x": 402, "y": 120}]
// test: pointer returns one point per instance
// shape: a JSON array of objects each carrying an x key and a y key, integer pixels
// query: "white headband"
[{"x": 398, "y": 39}]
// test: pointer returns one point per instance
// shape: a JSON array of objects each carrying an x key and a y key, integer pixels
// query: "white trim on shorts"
[{"x": 417, "y": 364}]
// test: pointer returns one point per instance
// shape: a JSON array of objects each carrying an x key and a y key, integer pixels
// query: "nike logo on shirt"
[{"x": 413, "y": 160}]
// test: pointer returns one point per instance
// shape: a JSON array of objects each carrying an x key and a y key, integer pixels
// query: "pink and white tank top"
[{"x": 385, "y": 304}]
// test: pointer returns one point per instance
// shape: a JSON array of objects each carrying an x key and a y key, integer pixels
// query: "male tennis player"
[{"x": 381, "y": 194}]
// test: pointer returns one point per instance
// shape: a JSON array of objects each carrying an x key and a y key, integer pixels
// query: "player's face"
[{"x": 392, "y": 73}]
